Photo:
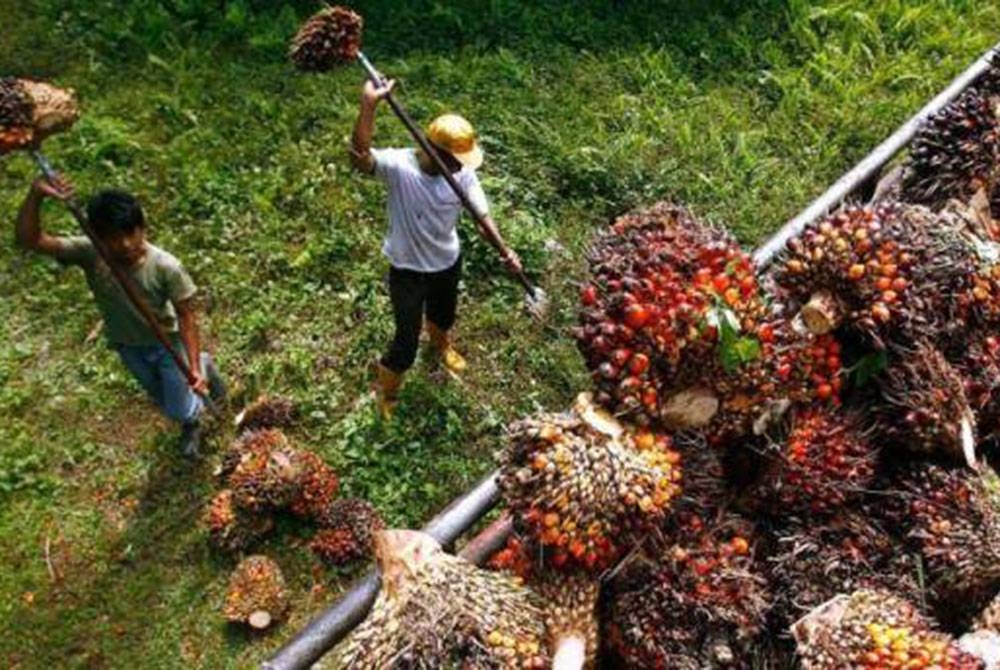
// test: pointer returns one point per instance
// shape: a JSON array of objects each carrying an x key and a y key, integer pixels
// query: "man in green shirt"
[{"x": 117, "y": 219}]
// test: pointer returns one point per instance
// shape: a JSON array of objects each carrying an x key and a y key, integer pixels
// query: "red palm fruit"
[
  {"x": 693, "y": 601},
  {"x": 875, "y": 630},
  {"x": 578, "y": 478},
  {"x": 825, "y": 461}
]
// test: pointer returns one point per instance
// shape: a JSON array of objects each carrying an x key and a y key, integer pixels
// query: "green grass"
[{"x": 743, "y": 110}]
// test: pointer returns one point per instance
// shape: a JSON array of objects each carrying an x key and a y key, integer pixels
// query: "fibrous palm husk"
[
  {"x": 952, "y": 518},
  {"x": 696, "y": 601},
  {"x": 875, "y": 630},
  {"x": 348, "y": 527},
  {"x": 438, "y": 611},
  {"x": 583, "y": 489},
  {"x": 230, "y": 528},
  {"x": 329, "y": 38},
  {"x": 256, "y": 595}
]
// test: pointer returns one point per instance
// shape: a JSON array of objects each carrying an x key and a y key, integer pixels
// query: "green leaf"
[{"x": 869, "y": 366}]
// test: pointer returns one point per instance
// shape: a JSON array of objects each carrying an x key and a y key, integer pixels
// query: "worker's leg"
[
  {"x": 407, "y": 291},
  {"x": 442, "y": 305},
  {"x": 142, "y": 363}
]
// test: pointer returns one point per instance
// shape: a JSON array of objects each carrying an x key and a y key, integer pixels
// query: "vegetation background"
[{"x": 743, "y": 109}]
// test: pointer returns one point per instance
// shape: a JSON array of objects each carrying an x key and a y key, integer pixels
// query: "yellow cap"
[{"x": 455, "y": 135}]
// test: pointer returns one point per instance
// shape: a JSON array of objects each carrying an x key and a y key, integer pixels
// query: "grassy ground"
[{"x": 744, "y": 110}]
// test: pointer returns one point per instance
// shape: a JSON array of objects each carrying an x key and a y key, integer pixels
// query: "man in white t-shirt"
[{"x": 422, "y": 243}]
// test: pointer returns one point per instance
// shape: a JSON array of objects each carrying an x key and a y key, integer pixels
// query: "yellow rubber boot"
[
  {"x": 387, "y": 384},
  {"x": 441, "y": 344}
]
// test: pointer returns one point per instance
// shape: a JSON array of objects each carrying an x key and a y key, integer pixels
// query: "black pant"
[{"x": 415, "y": 294}]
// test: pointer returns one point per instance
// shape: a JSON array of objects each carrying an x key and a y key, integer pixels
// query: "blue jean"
[{"x": 157, "y": 372}]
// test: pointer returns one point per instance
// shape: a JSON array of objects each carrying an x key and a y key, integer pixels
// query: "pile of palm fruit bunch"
[
  {"x": 778, "y": 466},
  {"x": 264, "y": 474}
]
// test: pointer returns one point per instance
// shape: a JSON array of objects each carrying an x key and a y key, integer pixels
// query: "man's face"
[
  {"x": 452, "y": 163},
  {"x": 127, "y": 249}
]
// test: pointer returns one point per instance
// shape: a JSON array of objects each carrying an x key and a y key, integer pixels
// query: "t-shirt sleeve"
[
  {"x": 177, "y": 281},
  {"x": 387, "y": 162},
  {"x": 75, "y": 250},
  {"x": 476, "y": 195}
]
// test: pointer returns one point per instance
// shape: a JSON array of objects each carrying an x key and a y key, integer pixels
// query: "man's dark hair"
[{"x": 113, "y": 212}]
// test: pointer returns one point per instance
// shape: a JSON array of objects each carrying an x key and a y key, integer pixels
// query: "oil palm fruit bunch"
[
  {"x": 672, "y": 302},
  {"x": 952, "y": 518},
  {"x": 256, "y": 595},
  {"x": 855, "y": 267},
  {"x": 513, "y": 558},
  {"x": 267, "y": 412},
  {"x": 875, "y": 630},
  {"x": 571, "y": 623},
  {"x": 348, "y": 528},
  {"x": 439, "y": 611},
  {"x": 695, "y": 603},
  {"x": 814, "y": 560},
  {"x": 582, "y": 488},
  {"x": 30, "y": 111},
  {"x": 825, "y": 460},
  {"x": 925, "y": 407},
  {"x": 316, "y": 485},
  {"x": 230, "y": 528},
  {"x": 265, "y": 471},
  {"x": 955, "y": 152},
  {"x": 989, "y": 618},
  {"x": 979, "y": 365},
  {"x": 328, "y": 38}
]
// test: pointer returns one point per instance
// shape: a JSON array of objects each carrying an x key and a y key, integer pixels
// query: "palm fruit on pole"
[
  {"x": 875, "y": 630},
  {"x": 696, "y": 602},
  {"x": 347, "y": 532},
  {"x": 256, "y": 595},
  {"x": 231, "y": 529},
  {"x": 952, "y": 518},
  {"x": 672, "y": 303},
  {"x": 925, "y": 409},
  {"x": 30, "y": 111},
  {"x": 436, "y": 610},
  {"x": 815, "y": 559},
  {"x": 825, "y": 461},
  {"x": 329, "y": 38},
  {"x": 582, "y": 488}
]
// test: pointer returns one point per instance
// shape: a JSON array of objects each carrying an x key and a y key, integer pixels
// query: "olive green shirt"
[{"x": 159, "y": 277}]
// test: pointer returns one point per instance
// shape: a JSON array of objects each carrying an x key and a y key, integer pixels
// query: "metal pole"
[
  {"x": 323, "y": 632},
  {"x": 332, "y": 625},
  {"x": 872, "y": 163}
]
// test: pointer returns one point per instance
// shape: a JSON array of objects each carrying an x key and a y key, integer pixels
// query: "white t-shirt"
[{"x": 423, "y": 211}]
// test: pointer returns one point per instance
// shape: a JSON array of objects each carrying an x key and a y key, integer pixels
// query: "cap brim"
[{"x": 471, "y": 159}]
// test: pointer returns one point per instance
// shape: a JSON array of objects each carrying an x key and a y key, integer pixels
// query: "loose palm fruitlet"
[
  {"x": 875, "y": 630},
  {"x": 925, "y": 407},
  {"x": 814, "y": 560},
  {"x": 697, "y": 603},
  {"x": 672, "y": 304},
  {"x": 329, "y": 38},
  {"x": 264, "y": 471},
  {"x": 30, "y": 111},
  {"x": 316, "y": 485},
  {"x": 581, "y": 488},
  {"x": 440, "y": 611},
  {"x": 231, "y": 529},
  {"x": 952, "y": 518},
  {"x": 824, "y": 462},
  {"x": 956, "y": 151},
  {"x": 256, "y": 595},
  {"x": 267, "y": 412},
  {"x": 348, "y": 529}
]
